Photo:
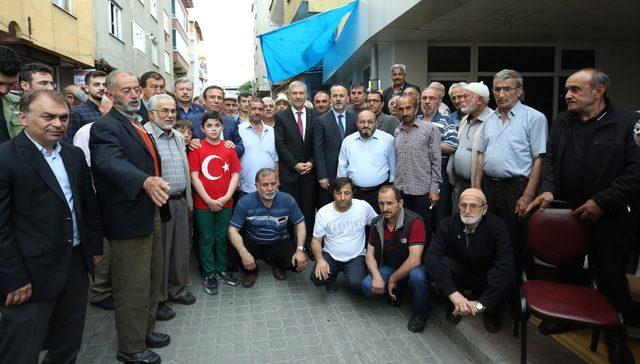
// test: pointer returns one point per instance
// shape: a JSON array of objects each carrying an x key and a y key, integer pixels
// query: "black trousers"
[
  {"x": 60, "y": 321},
  {"x": 467, "y": 279},
  {"x": 305, "y": 192},
  {"x": 502, "y": 196},
  {"x": 279, "y": 254},
  {"x": 369, "y": 194},
  {"x": 420, "y": 205},
  {"x": 444, "y": 207}
]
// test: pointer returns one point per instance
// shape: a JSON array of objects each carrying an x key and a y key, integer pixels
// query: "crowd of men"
[{"x": 386, "y": 186}]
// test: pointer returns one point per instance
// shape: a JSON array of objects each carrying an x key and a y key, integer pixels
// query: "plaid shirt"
[
  {"x": 172, "y": 164},
  {"x": 418, "y": 158},
  {"x": 82, "y": 115}
]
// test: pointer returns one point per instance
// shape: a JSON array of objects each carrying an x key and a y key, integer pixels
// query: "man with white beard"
[{"x": 472, "y": 251}]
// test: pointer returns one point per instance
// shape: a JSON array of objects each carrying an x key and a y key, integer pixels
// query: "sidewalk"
[{"x": 281, "y": 321}]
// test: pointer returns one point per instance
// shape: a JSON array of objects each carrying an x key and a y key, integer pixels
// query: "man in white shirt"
[{"x": 341, "y": 225}]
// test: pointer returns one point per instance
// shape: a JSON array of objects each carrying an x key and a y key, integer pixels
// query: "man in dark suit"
[
  {"x": 328, "y": 133},
  {"x": 126, "y": 170},
  {"x": 398, "y": 77},
  {"x": 50, "y": 236},
  {"x": 151, "y": 83},
  {"x": 294, "y": 144}
]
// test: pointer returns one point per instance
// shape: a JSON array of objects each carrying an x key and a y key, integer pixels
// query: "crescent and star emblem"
[{"x": 205, "y": 167}]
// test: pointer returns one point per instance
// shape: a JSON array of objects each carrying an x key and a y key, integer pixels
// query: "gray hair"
[
  {"x": 455, "y": 85},
  {"x": 264, "y": 172},
  {"x": 153, "y": 101},
  {"x": 507, "y": 73},
  {"x": 399, "y": 66},
  {"x": 296, "y": 84},
  {"x": 182, "y": 80},
  {"x": 110, "y": 81},
  {"x": 394, "y": 98},
  {"x": 598, "y": 78},
  {"x": 268, "y": 100}
]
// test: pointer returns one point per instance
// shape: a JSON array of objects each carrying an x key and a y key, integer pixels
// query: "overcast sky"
[{"x": 227, "y": 29}]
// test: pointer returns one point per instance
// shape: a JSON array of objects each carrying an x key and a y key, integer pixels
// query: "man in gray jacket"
[{"x": 384, "y": 122}]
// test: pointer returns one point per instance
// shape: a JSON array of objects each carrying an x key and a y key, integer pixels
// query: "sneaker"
[
  {"x": 228, "y": 278},
  {"x": 210, "y": 285}
]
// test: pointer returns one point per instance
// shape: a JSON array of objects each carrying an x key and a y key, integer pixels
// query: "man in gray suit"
[
  {"x": 175, "y": 170},
  {"x": 384, "y": 122}
]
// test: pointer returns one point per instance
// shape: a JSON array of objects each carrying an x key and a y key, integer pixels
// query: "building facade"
[
  {"x": 55, "y": 32},
  {"x": 197, "y": 59}
]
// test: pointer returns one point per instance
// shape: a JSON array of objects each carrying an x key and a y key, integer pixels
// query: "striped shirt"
[
  {"x": 266, "y": 225},
  {"x": 447, "y": 128},
  {"x": 418, "y": 158}
]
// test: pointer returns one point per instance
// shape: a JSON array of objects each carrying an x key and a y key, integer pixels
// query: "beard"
[
  {"x": 366, "y": 133},
  {"x": 126, "y": 107},
  {"x": 471, "y": 220},
  {"x": 469, "y": 109},
  {"x": 269, "y": 195}
]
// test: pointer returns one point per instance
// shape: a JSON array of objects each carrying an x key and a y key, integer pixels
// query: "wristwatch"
[
  {"x": 301, "y": 248},
  {"x": 479, "y": 307}
]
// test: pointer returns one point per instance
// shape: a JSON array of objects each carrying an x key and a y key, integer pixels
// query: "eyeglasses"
[
  {"x": 506, "y": 89},
  {"x": 470, "y": 206},
  {"x": 166, "y": 111},
  {"x": 368, "y": 122}
]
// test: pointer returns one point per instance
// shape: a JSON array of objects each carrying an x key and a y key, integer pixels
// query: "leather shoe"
[
  {"x": 186, "y": 299},
  {"x": 492, "y": 322},
  {"x": 278, "y": 273},
  {"x": 143, "y": 357},
  {"x": 550, "y": 327},
  {"x": 105, "y": 304},
  {"x": 249, "y": 279},
  {"x": 157, "y": 340},
  {"x": 165, "y": 313},
  {"x": 417, "y": 323},
  {"x": 332, "y": 285}
]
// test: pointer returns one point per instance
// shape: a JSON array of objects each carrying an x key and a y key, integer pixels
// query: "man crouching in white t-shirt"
[{"x": 341, "y": 225}]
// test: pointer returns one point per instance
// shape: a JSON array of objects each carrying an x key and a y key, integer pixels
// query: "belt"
[
  {"x": 499, "y": 181},
  {"x": 178, "y": 196},
  {"x": 368, "y": 189}
]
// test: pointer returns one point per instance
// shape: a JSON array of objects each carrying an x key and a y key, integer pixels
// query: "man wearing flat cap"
[{"x": 471, "y": 251}]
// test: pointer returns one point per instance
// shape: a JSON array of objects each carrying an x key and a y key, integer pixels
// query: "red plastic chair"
[{"x": 556, "y": 237}]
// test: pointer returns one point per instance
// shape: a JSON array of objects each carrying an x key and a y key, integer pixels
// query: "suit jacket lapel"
[
  {"x": 308, "y": 131},
  {"x": 129, "y": 128},
  {"x": 294, "y": 120},
  {"x": 37, "y": 161},
  {"x": 334, "y": 125}
]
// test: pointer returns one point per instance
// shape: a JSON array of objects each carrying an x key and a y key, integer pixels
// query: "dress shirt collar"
[
  {"x": 157, "y": 132},
  {"x": 43, "y": 150},
  {"x": 295, "y": 111},
  {"x": 374, "y": 135},
  {"x": 515, "y": 110},
  {"x": 343, "y": 113},
  {"x": 131, "y": 117}
]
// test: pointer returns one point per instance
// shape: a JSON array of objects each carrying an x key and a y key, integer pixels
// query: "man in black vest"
[{"x": 394, "y": 256}]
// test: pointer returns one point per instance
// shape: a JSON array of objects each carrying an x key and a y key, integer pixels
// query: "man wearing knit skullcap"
[{"x": 472, "y": 251}]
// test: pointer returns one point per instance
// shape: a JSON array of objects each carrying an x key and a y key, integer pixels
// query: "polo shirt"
[{"x": 266, "y": 225}]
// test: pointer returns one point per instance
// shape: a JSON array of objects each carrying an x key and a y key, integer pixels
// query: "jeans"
[
  {"x": 417, "y": 280},
  {"x": 354, "y": 270}
]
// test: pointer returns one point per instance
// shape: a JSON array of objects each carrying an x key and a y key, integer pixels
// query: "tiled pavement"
[{"x": 281, "y": 321}]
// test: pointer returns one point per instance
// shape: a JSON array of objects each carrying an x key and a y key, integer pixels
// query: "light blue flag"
[{"x": 299, "y": 46}]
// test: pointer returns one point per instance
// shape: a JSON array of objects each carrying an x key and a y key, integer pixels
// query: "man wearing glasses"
[
  {"x": 384, "y": 122},
  {"x": 472, "y": 251},
  {"x": 510, "y": 154}
]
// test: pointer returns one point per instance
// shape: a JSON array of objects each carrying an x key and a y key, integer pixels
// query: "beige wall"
[
  {"x": 53, "y": 29},
  {"x": 315, "y": 6}
]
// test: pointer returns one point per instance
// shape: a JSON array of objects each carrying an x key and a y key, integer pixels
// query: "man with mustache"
[
  {"x": 510, "y": 155},
  {"x": 471, "y": 251},
  {"x": 126, "y": 170},
  {"x": 593, "y": 164},
  {"x": 89, "y": 111},
  {"x": 264, "y": 217}
]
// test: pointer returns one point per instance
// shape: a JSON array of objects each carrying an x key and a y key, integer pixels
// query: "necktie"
[
  {"x": 341, "y": 126},
  {"x": 300, "y": 128}
]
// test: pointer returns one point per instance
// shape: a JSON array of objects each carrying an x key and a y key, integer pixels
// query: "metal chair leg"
[{"x": 595, "y": 339}]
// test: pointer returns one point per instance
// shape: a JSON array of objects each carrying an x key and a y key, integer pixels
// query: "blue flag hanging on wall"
[{"x": 299, "y": 46}]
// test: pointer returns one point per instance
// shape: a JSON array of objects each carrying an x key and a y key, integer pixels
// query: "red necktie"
[{"x": 300, "y": 128}]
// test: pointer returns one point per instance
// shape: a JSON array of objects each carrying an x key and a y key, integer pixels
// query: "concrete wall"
[
  {"x": 619, "y": 60},
  {"x": 119, "y": 53}
]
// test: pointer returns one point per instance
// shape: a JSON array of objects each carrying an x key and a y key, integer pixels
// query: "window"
[
  {"x": 115, "y": 20},
  {"x": 154, "y": 54},
  {"x": 138, "y": 36},
  {"x": 575, "y": 59},
  {"x": 179, "y": 14},
  {"x": 166, "y": 22},
  {"x": 64, "y": 4},
  {"x": 449, "y": 59},
  {"x": 180, "y": 45},
  {"x": 168, "y": 65},
  {"x": 153, "y": 8},
  {"x": 521, "y": 59}
]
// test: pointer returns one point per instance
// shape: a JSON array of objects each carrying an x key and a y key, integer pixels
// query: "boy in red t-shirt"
[{"x": 214, "y": 176}]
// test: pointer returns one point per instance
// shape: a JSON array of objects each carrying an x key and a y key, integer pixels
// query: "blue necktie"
[{"x": 341, "y": 126}]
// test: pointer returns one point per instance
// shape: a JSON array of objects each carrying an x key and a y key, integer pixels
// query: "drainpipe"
[{"x": 374, "y": 83}]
